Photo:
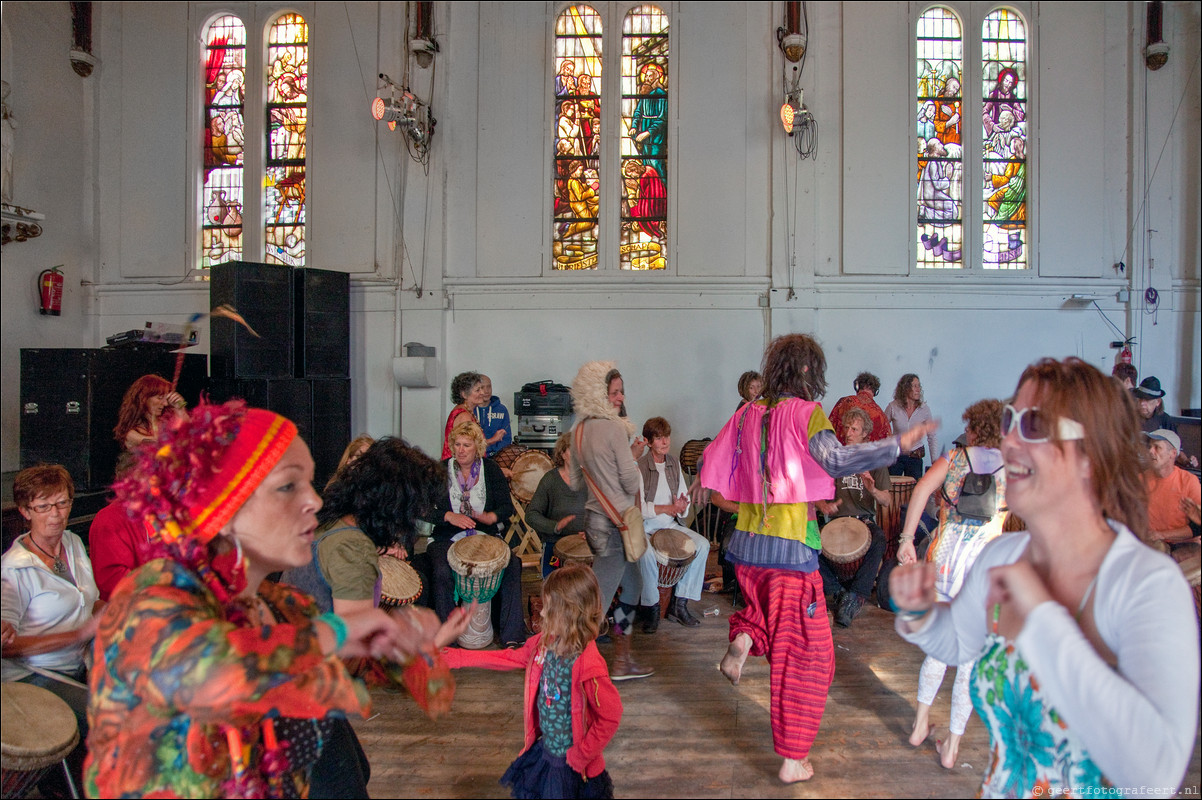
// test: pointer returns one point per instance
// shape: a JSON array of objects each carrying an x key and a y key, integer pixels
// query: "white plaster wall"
[
  {"x": 453, "y": 257},
  {"x": 52, "y": 172}
]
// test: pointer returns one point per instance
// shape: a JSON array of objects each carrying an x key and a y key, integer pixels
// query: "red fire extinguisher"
[{"x": 50, "y": 285}]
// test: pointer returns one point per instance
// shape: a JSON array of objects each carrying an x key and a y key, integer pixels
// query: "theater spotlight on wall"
[{"x": 402, "y": 109}]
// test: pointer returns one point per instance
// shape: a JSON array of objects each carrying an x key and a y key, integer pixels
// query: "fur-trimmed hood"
[{"x": 590, "y": 394}]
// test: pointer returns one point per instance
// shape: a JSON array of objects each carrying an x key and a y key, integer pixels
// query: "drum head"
[
  {"x": 573, "y": 548},
  {"x": 38, "y": 726},
  {"x": 845, "y": 539},
  {"x": 399, "y": 582},
  {"x": 478, "y": 555},
  {"x": 506, "y": 456},
  {"x": 528, "y": 469},
  {"x": 672, "y": 545}
]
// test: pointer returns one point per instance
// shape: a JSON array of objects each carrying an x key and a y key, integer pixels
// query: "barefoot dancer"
[{"x": 775, "y": 545}]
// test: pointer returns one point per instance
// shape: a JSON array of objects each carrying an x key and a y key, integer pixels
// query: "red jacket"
[
  {"x": 115, "y": 543},
  {"x": 596, "y": 705}
]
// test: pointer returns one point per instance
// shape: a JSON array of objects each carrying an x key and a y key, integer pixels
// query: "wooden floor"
[{"x": 686, "y": 732}]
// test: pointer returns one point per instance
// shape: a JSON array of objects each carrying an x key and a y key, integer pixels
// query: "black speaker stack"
[
  {"x": 299, "y": 363},
  {"x": 70, "y": 398}
]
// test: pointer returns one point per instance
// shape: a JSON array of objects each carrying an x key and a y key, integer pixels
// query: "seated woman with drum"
[
  {"x": 50, "y": 597},
  {"x": 556, "y": 511},
  {"x": 851, "y": 554},
  {"x": 475, "y": 500},
  {"x": 665, "y": 503},
  {"x": 370, "y": 512}
]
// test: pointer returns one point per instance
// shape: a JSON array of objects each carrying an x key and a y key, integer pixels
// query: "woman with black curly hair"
[
  {"x": 371, "y": 507},
  {"x": 466, "y": 393}
]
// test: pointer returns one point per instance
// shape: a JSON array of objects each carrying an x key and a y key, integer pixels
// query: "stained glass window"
[
  {"x": 940, "y": 136},
  {"x": 287, "y": 71},
  {"x": 1004, "y": 140},
  {"x": 577, "y": 179},
  {"x": 224, "y": 141},
  {"x": 644, "y": 139}
]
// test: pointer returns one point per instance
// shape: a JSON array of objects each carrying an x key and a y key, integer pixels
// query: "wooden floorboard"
[{"x": 686, "y": 732}]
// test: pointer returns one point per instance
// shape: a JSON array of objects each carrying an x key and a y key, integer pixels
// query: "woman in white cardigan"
[{"x": 1086, "y": 640}]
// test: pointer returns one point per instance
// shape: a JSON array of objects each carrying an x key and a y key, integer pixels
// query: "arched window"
[
  {"x": 287, "y": 71},
  {"x": 577, "y": 183},
  {"x": 940, "y": 170},
  {"x": 610, "y": 136},
  {"x": 995, "y": 186},
  {"x": 644, "y": 139},
  {"x": 1004, "y": 140},
  {"x": 224, "y": 121}
]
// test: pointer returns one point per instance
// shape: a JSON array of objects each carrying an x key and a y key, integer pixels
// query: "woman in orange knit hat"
[{"x": 210, "y": 680}]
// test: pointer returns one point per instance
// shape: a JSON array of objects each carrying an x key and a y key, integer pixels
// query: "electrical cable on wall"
[{"x": 418, "y": 285}]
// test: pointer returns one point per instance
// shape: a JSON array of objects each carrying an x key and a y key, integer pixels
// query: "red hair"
[
  {"x": 1079, "y": 391},
  {"x": 135, "y": 404}
]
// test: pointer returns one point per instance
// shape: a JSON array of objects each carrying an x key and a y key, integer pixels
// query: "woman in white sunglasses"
[
  {"x": 1085, "y": 639},
  {"x": 966, "y": 525}
]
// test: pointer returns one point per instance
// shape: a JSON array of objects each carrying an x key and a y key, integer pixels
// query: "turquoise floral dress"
[{"x": 1033, "y": 752}]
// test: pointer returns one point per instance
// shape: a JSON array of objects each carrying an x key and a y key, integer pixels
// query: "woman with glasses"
[
  {"x": 1085, "y": 639},
  {"x": 957, "y": 542},
  {"x": 50, "y": 597}
]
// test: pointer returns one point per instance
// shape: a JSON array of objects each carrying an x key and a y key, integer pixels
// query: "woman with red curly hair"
[
  {"x": 957, "y": 542},
  {"x": 210, "y": 680},
  {"x": 147, "y": 403}
]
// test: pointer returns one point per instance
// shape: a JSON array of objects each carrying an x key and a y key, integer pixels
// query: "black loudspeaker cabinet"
[
  {"x": 321, "y": 304},
  {"x": 320, "y": 407},
  {"x": 262, "y": 294},
  {"x": 70, "y": 399}
]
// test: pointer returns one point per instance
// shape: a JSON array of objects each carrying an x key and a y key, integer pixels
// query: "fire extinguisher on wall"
[{"x": 50, "y": 290}]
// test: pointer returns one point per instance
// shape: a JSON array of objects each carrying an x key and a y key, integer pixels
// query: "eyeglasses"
[
  {"x": 1033, "y": 425},
  {"x": 44, "y": 508}
]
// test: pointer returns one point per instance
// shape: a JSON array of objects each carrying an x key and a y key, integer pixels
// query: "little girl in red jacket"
[{"x": 572, "y": 709}]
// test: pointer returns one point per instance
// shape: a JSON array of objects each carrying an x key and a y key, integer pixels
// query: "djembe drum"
[
  {"x": 674, "y": 552},
  {"x": 506, "y": 456},
  {"x": 478, "y": 562},
  {"x": 525, "y": 472},
  {"x": 38, "y": 731},
  {"x": 573, "y": 549},
  {"x": 400, "y": 584},
  {"x": 893, "y": 518},
  {"x": 845, "y": 542}
]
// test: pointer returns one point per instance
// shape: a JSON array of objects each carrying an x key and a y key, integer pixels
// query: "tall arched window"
[
  {"x": 644, "y": 139},
  {"x": 577, "y": 183},
  {"x": 611, "y": 136},
  {"x": 224, "y": 121},
  {"x": 940, "y": 170},
  {"x": 1004, "y": 140},
  {"x": 972, "y": 214},
  {"x": 287, "y": 71}
]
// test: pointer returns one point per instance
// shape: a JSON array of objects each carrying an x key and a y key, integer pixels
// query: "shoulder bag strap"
[{"x": 610, "y": 511}]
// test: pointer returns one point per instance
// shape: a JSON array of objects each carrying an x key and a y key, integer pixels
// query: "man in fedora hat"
[{"x": 1148, "y": 396}]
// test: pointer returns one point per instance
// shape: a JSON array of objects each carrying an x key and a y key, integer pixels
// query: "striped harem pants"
[{"x": 786, "y": 619}]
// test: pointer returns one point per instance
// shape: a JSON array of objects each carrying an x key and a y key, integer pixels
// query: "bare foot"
[
  {"x": 795, "y": 770},
  {"x": 920, "y": 732},
  {"x": 948, "y": 751},
  {"x": 736, "y": 654},
  {"x": 922, "y": 725}
]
